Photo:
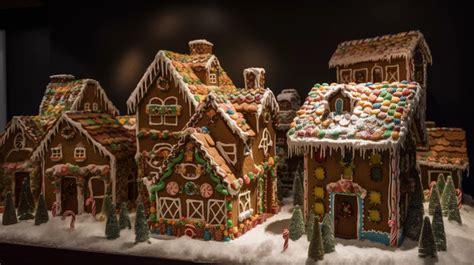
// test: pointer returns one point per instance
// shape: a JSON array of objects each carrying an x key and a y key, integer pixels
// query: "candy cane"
[
  {"x": 94, "y": 209},
  {"x": 459, "y": 197},
  {"x": 54, "y": 209},
  {"x": 285, "y": 237},
  {"x": 431, "y": 186},
  {"x": 393, "y": 232},
  {"x": 73, "y": 217}
]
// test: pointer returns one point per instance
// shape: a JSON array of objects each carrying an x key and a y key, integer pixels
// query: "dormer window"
[
  {"x": 95, "y": 106},
  {"x": 87, "y": 106},
  {"x": 80, "y": 153},
  {"x": 213, "y": 79},
  {"x": 56, "y": 153}
]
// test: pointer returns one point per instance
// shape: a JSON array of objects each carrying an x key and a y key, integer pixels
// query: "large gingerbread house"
[
  {"x": 359, "y": 156},
  {"x": 23, "y": 134},
  {"x": 87, "y": 155},
  {"x": 446, "y": 154}
]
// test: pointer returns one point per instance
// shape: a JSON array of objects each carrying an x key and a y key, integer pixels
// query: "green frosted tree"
[
  {"x": 316, "y": 249},
  {"x": 124, "y": 219},
  {"x": 441, "y": 182},
  {"x": 41, "y": 214},
  {"x": 328, "y": 235},
  {"x": 297, "y": 190},
  {"x": 25, "y": 209},
  {"x": 112, "y": 230},
  {"x": 142, "y": 232},
  {"x": 106, "y": 207},
  {"x": 438, "y": 229},
  {"x": 310, "y": 225},
  {"x": 9, "y": 214},
  {"x": 434, "y": 200},
  {"x": 426, "y": 244},
  {"x": 296, "y": 227},
  {"x": 414, "y": 219},
  {"x": 29, "y": 195},
  {"x": 449, "y": 202}
]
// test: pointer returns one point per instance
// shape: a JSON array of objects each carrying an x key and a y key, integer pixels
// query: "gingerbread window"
[
  {"x": 266, "y": 141},
  {"x": 360, "y": 75},
  {"x": 19, "y": 141},
  {"x": 169, "y": 208},
  {"x": 245, "y": 210},
  {"x": 392, "y": 73},
  {"x": 87, "y": 106},
  {"x": 80, "y": 153},
  {"x": 377, "y": 74},
  {"x": 228, "y": 152},
  {"x": 346, "y": 76},
  {"x": 195, "y": 209},
  {"x": 216, "y": 213},
  {"x": 213, "y": 79},
  {"x": 163, "y": 112},
  {"x": 57, "y": 153},
  {"x": 95, "y": 106}
]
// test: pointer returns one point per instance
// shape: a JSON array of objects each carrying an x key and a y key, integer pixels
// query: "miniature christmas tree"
[
  {"x": 415, "y": 212},
  {"x": 297, "y": 190},
  {"x": 280, "y": 190},
  {"x": 296, "y": 226},
  {"x": 142, "y": 232},
  {"x": 25, "y": 210},
  {"x": 327, "y": 234},
  {"x": 9, "y": 214},
  {"x": 441, "y": 182},
  {"x": 106, "y": 207},
  {"x": 309, "y": 225},
  {"x": 427, "y": 245},
  {"x": 29, "y": 196},
  {"x": 124, "y": 219},
  {"x": 316, "y": 249},
  {"x": 41, "y": 215},
  {"x": 438, "y": 229},
  {"x": 434, "y": 200},
  {"x": 449, "y": 202},
  {"x": 112, "y": 230}
]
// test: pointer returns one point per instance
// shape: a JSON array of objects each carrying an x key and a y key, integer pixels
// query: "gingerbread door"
[
  {"x": 69, "y": 194},
  {"x": 19, "y": 178},
  {"x": 345, "y": 216}
]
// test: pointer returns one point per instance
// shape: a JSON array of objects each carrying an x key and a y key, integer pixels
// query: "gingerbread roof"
[
  {"x": 284, "y": 119},
  {"x": 181, "y": 68},
  {"x": 65, "y": 93},
  {"x": 129, "y": 122},
  {"x": 401, "y": 45},
  {"x": 102, "y": 130},
  {"x": 34, "y": 127},
  {"x": 379, "y": 116},
  {"x": 446, "y": 148},
  {"x": 291, "y": 95},
  {"x": 251, "y": 100}
]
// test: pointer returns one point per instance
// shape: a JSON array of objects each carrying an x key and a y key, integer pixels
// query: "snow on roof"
[{"x": 34, "y": 127}]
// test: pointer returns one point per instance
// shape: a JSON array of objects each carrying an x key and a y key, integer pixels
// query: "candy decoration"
[
  {"x": 459, "y": 197},
  {"x": 73, "y": 217},
  {"x": 393, "y": 232},
  {"x": 89, "y": 201},
  {"x": 206, "y": 190},
  {"x": 172, "y": 188},
  {"x": 55, "y": 208},
  {"x": 190, "y": 231},
  {"x": 285, "y": 237},
  {"x": 431, "y": 186}
]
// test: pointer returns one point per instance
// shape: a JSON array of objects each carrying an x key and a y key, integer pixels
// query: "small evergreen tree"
[
  {"x": 280, "y": 190},
  {"x": 142, "y": 232},
  {"x": 29, "y": 196},
  {"x": 441, "y": 182},
  {"x": 438, "y": 229},
  {"x": 310, "y": 225},
  {"x": 9, "y": 214},
  {"x": 124, "y": 219},
  {"x": 414, "y": 219},
  {"x": 426, "y": 244},
  {"x": 297, "y": 190},
  {"x": 41, "y": 215},
  {"x": 296, "y": 227},
  {"x": 328, "y": 234},
  {"x": 434, "y": 200},
  {"x": 25, "y": 209},
  {"x": 316, "y": 249},
  {"x": 106, "y": 207},
  {"x": 449, "y": 202},
  {"x": 112, "y": 230}
]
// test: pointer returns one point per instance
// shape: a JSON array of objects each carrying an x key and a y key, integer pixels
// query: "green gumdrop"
[
  {"x": 229, "y": 206},
  {"x": 230, "y": 223}
]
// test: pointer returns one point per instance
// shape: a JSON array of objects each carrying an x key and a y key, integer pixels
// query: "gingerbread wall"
[
  {"x": 430, "y": 173},
  {"x": 346, "y": 107},
  {"x": 369, "y": 66},
  {"x": 8, "y": 153},
  {"x": 91, "y": 96}
]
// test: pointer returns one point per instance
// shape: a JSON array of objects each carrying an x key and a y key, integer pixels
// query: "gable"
[
  {"x": 17, "y": 146},
  {"x": 338, "y": 102}
]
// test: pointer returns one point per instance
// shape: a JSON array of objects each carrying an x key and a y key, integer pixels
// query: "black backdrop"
[{"x": 292, "y": 40}]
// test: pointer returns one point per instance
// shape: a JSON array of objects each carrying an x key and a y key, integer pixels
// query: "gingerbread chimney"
[
  {"x": 254, "y": 77},
  {"x": 200, "y": 47},
  {"x": 61, "y": 78}
]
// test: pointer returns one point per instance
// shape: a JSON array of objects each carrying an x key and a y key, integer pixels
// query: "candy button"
[
  {"x": 382, "y": 115},
  {"x": 388, "y": 119},
  {"x": 375, "y": 111},
  {"x": 396, "y": 121},
  {"x": 376, "y": 105},
  {"x": 395, "y": 99},
  {"x": 397, "y": 94},
  {"x": 387, "y": 134},
  {"x": 399, "y": 109},
  {"x": 397, "y": 115},
  {"x": 384, "y": 108},
  {"x": 367, "y": 110},
  {"x": 389, "y": 126},
  {"x": 395, "y": 135},
  {"x": 397, "y": 128},
  {"x": 320, "y": 111},
  {"x": 372, "y": 98},
  {"x": 344, "y": 122},
  {"x": 386, "y": 103}
]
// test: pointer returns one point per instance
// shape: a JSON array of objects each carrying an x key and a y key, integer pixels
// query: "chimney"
[
  {"x": 200, "y": 47},
  {"x": 61, "y": 78},
  {"x": 254, "y": 77}
]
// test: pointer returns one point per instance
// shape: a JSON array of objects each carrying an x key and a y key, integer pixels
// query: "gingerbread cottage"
[
  {"x": 446, "y": 154},
  {"x": 24, "y": 133},
  {"x": 87, "y": 155},
  {"x": 359, "y": 156}
]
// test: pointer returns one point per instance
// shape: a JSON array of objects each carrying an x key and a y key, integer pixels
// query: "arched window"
[
  {"x": 339, "y": 105},
  {"x": 163, "y": 112},
  {"x": 153, "y": 111},
  {"x": 377, "y": 74},
  {"x": 19, "y": 141},
  {"x": 172, "y": 118}
]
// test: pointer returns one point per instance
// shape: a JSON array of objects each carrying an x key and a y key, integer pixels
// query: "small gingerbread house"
[
  {"x": 87, "y": 155},
  {"x": 359, "y": 156},
  {"x": 447, "y": 155}
]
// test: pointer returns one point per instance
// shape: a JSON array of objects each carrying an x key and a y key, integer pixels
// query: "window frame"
[
  {"x": 57, "y": 153},
  {"x": 83, "y": 154}
]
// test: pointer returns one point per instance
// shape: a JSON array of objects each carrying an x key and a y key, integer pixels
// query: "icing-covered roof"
[
  {"x": 379, "y": 115},
  {"x": 34, "y": 127},
  {"x": 446, "y": 148},
  {"x": 387, "y": 47}
]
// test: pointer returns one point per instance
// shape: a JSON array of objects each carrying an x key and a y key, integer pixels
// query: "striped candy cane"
[
  {"x": 432, "y": 184},
  {"x": 459, "y": 197},
  {"x": 55, "y": 208},
  {"x": 285, "y": 237},
  {"x": 393, "y": 232},
  {"x": 73, "y": 217},
  {"x": 94, "y": 208}
]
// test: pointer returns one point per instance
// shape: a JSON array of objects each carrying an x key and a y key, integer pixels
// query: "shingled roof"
[
  {"x": 447, "y": 149},
  {"x": 387, "y": 47},
  {"x": 379, "y": 116},
  {"x": 34, "y": 127}
]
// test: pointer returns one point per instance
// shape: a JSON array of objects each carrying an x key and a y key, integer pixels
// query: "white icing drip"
[
  {"x": 200, "y": 41},
  {"x": 257, "y": 73}
]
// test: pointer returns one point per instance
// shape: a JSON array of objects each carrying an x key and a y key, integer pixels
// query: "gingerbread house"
[
  {"x": 23, "y": 133},
  {"x": 359, "y": 156},
  {"x": 447, "y": 155},
  {"x": 87, "y": 155}
]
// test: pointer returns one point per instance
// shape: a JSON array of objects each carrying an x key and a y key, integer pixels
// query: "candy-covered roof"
[
  {"x": 34, "y": 127},
  {"x": 251, "y": 100},
  {"x": 284, "y": 119},
  {"x": 128, "y": 121},
  {"x": 65, "y": 93},
  {"x": 379, "y": 115},
  {"x": 387, "y": 47},
  {"x": 446, "y": 148}
]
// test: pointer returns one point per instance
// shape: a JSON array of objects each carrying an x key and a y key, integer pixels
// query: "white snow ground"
[{"x": 262, "y": 244}]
